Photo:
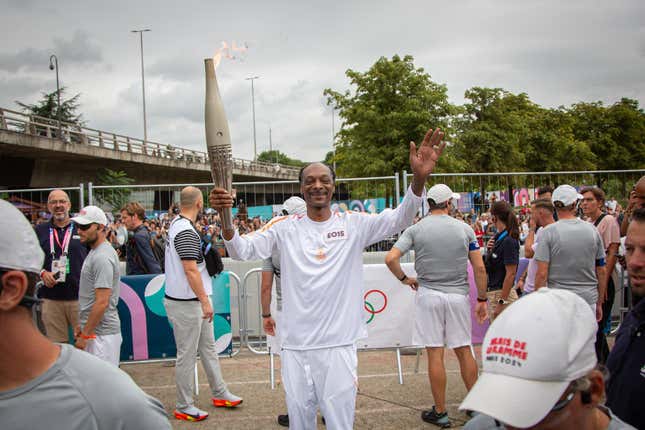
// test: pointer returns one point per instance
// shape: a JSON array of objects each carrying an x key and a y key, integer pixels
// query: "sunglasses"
[{"x": 85, "y": 227}]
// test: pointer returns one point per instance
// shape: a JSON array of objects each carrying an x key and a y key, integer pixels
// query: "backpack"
[
  {"x": 158, "y": 250},
  {"x": 213, "y": 260}
]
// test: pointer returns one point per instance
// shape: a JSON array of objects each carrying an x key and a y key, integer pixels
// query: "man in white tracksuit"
[{"x": 321, "y": 257}]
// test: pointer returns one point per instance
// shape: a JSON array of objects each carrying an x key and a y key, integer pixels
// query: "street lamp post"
[
  {"x": 333, "y": 137},
  {"x": 255, "y": 144},
  {"x": 53, "y": 64},
  {"x": 143, "y": 86}
]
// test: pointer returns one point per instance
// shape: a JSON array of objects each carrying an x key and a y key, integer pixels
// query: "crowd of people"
[{"x": 546, "y": 360}]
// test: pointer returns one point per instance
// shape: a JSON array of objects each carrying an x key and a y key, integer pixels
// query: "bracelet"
[
  {"x": 88, "y": 337},
  {"x": 403, "y": 278},
  {"x": 266, "y": 315},
  {"x": 480, "y": 300}
]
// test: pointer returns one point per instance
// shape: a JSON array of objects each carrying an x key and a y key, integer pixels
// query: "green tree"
[
  {"x": 115, "y": 198},
  {"x": 47, "y": 107},
  {"x": 615, "y": 134},
  {"x": 275, "y": 156},
  {"x": 391, "y": 104}
]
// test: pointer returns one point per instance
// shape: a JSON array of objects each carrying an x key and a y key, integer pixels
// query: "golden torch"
[{"x": 218, "y": 139}]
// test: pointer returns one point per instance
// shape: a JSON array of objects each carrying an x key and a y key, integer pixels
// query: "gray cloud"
[
  {"x": 558, "y": 52},
  {"x": 79, "y": 50}
]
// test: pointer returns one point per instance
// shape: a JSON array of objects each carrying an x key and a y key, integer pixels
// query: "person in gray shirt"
[
  {"x": 43, "y": 384},
  {"x": 571, "y": 253},
  {"x": 99, "y": 331},
  {"x": 442, "y": 247}
]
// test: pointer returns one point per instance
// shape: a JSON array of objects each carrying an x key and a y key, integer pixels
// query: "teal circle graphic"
[{"x": 154, "y": 294}]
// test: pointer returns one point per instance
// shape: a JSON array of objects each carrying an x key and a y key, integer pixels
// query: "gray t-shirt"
[
  {"x": 81, "y": 391},
  {"x": 572, "y": 248},
  {"x": 484, "y": 422},
  {"x": 272, "y": 264},
  {"x": 441, "y": 245},
  {"x": 100, "y": 270}
]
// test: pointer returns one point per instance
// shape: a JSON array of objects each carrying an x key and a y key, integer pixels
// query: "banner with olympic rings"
[{"x": 389, "y": 308}]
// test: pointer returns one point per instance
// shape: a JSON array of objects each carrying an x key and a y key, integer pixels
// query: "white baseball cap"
[
  {"x": 294, "y": 206},
  {"x": 441, "y": 193},
  {"x": 530, "y": 355},
  {"x": 565, "y": 194},
  {"x": 90, "y": 215},
  {"x": 19, "y": 247}
]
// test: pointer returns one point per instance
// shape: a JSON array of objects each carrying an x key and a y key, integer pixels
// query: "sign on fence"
[
  {"x": 390, "y": 311},
  {"x": 146, "y": 332}
]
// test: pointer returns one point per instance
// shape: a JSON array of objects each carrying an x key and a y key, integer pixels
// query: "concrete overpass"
[{"x": 40, "y": 152}]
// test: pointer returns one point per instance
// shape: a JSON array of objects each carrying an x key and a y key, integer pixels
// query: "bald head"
[{"x": 190, "y": 197}]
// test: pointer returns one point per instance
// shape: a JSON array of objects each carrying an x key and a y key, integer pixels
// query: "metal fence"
[
  {"x": 518, "y": 187},
  {"x": 355, "y": 193},
  {"x": 33, "y": 201}
]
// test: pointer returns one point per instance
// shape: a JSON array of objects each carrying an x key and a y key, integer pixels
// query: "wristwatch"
[{"x": 502, "y": 302}]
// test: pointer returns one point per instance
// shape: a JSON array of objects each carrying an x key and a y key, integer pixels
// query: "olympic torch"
[{"x": 218, "y": 139}]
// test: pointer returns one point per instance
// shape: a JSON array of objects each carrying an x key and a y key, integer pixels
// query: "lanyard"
[
  {"x": 502, "y": 236},
  {"x": 53, "y": 233}
]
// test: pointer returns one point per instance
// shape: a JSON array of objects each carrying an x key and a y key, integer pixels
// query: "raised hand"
[
  {"x": 219, "y": 199},
  {"x": 424, "y": 158}
]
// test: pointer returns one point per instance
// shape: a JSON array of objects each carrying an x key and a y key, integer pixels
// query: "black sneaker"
[
  {"x": 434, "y": 417},
  {"x": 283, "y": 420}
]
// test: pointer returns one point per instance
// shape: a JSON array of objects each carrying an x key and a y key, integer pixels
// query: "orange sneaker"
[
  {"x": 191, "y": 414},
  {"x": 227, "y": 400}
]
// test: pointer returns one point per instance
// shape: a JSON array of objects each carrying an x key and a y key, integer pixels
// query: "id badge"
[{"x": 59, "y": 268}]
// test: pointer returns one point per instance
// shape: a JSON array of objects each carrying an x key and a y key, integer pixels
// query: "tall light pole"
[
  {"x": 53, "y": 64},
  {"x": 143, "y": 85},
  {"x": 255, "y": 144},
  {"x": 333, "y": 137}
]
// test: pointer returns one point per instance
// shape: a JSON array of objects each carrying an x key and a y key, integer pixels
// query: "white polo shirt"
[{"x": 321, "y": 265}]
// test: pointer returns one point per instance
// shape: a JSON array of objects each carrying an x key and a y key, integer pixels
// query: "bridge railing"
[{"x": 73, "y": 133}]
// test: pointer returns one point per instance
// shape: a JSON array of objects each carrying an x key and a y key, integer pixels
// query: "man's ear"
[
  {"x": 14, "y": 287},
  {"x": 597, "y": 389}
]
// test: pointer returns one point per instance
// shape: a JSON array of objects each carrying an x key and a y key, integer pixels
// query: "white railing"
[{"x": 73, "y": 133}]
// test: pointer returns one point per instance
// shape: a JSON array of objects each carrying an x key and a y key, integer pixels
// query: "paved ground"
[{"x": 382, "y": 402}]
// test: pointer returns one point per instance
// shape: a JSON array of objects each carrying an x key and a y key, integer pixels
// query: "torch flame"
[{"x": 229, "y": 52}]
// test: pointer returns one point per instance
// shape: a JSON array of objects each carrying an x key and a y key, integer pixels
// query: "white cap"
[
  {"x": 530, "y": 354},
  {"x": 440, "y": 193},
  {"x": 611, "y": 204},
  {"x": 294, "y": 206},
  {"x": 456, "y": 196},
  {"x": 19, "y": 247},
  {"x": 565, "y": 194},
  {"x": 90, "y": 215}
]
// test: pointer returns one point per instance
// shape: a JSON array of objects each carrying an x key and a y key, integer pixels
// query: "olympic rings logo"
[{"x": 370, "y": 308}]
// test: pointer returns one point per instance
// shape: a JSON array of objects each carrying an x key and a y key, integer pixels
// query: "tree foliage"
[
  {"x": 275, "y": 156},
  {"x": 115, "y": 198},
  {"x": 391, "y": 104},
  {"x": 495, "y": 130},
  {"x": 47, "y": 107}
]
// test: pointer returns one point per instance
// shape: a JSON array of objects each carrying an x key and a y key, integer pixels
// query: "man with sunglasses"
[
  {"x": 99, "y": 330},
  {"x": 61, "y": 271},
  {"x": 540, "y": 369},
  {"x": 44, "y": 384}
]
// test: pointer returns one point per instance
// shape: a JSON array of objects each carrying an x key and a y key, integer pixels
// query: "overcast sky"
[{"x": 559, "y": 52}]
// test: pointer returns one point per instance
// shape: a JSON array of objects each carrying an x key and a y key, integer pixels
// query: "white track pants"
[
  {"x": 324, "y": 378},
  {"x": 106, "y": 347}
]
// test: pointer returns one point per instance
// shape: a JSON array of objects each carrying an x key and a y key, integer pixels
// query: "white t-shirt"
[{"x": 321, "y": 266}]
